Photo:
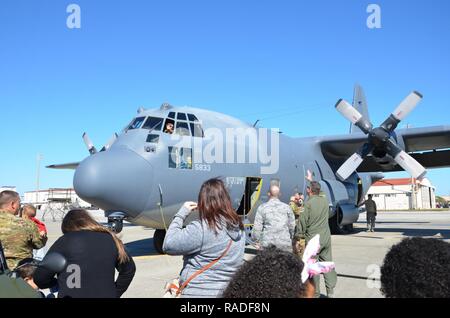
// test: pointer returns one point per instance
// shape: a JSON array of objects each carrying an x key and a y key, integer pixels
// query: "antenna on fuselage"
[
  {"x": 256, "y": 122},
  {"x": 166, "y": 106}
]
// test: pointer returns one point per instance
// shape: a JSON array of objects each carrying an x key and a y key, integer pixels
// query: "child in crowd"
[
  {"x": 25, "y": 270},
  {"x": 29, "y": 213}
]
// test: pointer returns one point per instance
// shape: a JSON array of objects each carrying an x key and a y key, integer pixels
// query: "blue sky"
[{"x": 250, "y": 58}]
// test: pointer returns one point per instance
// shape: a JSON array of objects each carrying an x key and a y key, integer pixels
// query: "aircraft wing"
[
  {"x": 68, "y": 166},
  {"x": 430, "y": 146}
]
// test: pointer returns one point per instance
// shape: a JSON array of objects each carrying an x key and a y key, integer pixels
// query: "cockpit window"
[
  {"x": 153, "y": 138},
  {"x": 192, "y": 117},
  {"x": 181, "y": 116},
  {"x": 196, "y": 130},
  {"x": 182, "y": 129},
  {"x": 154, "y": 123},
  {"x": 181, "y": 126},
  {"x": 136, "y": 124},
  {"x": 169, "y": 126},
  {"x": 180, "y": 158}
]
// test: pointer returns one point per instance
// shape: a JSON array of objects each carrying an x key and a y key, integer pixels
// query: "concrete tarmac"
[{"x": 357, "y": 255}]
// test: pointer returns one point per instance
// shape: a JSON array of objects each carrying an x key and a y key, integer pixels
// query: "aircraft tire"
[
  {"x": 348, "y": 228},
  {"x": 335, "y": 223},
  {"x": 158, "y": 240},
  {"x": 116, "y": 226}
]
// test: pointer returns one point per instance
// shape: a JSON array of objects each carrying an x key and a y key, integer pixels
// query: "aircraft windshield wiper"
[{"x": 154, "y": 126}]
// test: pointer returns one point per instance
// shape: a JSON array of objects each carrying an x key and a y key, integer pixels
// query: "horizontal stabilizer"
[{"x": 67, "y": 166}]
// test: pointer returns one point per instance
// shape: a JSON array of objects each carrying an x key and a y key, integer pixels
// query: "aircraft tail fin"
[{"x": 360, "y": 104}]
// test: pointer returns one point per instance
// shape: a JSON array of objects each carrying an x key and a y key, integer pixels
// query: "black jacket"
[{"x": 92, "y": 258}]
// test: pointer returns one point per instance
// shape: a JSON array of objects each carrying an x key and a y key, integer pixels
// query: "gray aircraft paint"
[
  {"x": 140, "y": 173},
  {"x": 134, "y": 177}
]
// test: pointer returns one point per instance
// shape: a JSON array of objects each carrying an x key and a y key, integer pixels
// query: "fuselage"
[{"x": 148, "y": 172}]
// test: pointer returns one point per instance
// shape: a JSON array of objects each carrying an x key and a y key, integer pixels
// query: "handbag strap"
[{"x": 203, "y": 269}]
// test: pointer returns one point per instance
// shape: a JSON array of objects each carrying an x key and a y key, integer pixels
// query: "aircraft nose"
[{"x": 115, "y": 180}]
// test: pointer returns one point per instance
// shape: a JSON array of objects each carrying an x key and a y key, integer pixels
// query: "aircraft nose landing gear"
[
  {"x": 115, "y": 222},
  {"x": 115, "y": 225}
]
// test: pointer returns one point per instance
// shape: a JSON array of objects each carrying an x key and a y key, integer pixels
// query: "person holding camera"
[{"x": 213, "y": 245}]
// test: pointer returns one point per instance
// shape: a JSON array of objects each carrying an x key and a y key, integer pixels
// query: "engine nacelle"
[
  {"x": 345, "y": 197},
  {"x": 350, "y": 213}
]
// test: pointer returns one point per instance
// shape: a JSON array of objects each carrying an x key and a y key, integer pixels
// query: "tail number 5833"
[{"x": 202, "y": 167}]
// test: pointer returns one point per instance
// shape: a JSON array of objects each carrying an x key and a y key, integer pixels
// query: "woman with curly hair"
[
  {"x": 273, "y": 273},
  {"x": 417, "y": 268}
]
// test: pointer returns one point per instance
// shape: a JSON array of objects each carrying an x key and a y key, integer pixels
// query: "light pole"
[
  {"x": 413, "y": 193},
  {"x": 38, "y": 166}
]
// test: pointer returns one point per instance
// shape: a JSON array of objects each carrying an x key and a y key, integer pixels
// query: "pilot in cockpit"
[{"x": 169, "y": 127}]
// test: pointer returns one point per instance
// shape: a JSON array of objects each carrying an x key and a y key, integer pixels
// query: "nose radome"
[{"x": 115, "y": 180}]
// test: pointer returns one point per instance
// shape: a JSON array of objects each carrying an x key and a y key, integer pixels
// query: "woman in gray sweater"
[{"x": 218, "y": 233}]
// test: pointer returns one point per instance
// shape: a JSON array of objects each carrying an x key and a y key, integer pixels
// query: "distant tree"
[{"x": 441, "y": 201}]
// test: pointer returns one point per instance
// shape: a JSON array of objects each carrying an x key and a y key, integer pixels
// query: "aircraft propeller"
[
  {"x": 90, "y": 146},
  {"x": 380, "y": 138},
  {"x": 110, "y": 142}
]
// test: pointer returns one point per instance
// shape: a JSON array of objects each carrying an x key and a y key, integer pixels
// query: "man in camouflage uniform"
[
  {"x": 296, "y": 204},
  {"x": 298, "y": 243},
  {"x": 18, "y": 236},
  {"x": 274, "y": 222},
  {"x": 314, "y": 220}
]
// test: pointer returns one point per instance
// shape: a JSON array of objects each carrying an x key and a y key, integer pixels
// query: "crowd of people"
[{"x": 293, "y": 243}]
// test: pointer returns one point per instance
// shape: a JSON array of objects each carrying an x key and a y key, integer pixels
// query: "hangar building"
[{"x": 403, "y": 194}]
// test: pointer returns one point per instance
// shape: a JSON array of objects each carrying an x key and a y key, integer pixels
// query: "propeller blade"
[
  {"x": 348, "y": 111},
  {"x": 110, "y": 142},
  {"x": 354, "y": 116},
  {"x": 408, "y": 163},
  {"x": 407, "y": 105},
  {"x": 349, "y": 166},
  {"x": 89, "y": 145},
  {"x": 352, "y": 163},
  {"x": 402, "y": 110}
]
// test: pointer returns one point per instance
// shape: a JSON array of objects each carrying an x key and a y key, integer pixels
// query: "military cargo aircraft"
[{"x": 144, "y": 174}]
